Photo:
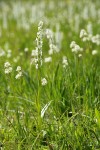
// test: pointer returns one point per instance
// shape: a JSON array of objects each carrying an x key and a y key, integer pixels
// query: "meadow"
[{"x": 50, "y": 75}]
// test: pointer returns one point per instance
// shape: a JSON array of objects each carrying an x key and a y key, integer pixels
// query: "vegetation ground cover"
[{"x": 50, "y": 75}]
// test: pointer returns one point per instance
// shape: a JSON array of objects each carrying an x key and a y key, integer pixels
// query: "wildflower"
[
  {"x": 19, "y": 70},
  {"x": 7, "y": 64},
  {"x": 49, "y": 34},
  {"x": 48, "y": 59},
  {"x": 37, "y": 53},
  {"x": 34, "y": 52},
  {"x": 80, "y": 55},
  {"x": 72, "y": 45},
  {"x": 65, "y": 62},
  {"x": 8, "y": 68},
  {"x": 34, "y": 61},
  {"x": 75, "y": 47},
  {"x": 53, "y": 47},
  {"x": 18, "y": 76},
  {"x": 50, "y": 51},
  {"x": 40, "y": 25},
  {"x": 96, "y": 39},
  {"x": 36, "y": 66},
  {"x": 84, "y": 35},
  {"x": 94, "y": 52},
  {"x": 9, "y": 53},
  {"x": 26, "y": 49},
  {"x": 43, "y": 81},
  {"x": 2, "y": 53}
]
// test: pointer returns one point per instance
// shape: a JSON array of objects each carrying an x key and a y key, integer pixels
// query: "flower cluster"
[
  {"x": 34, "y": 59},
  {"x": 48, "y": 59},
  {"x": 96, "y": 39},
  {"x": 19, "y": 70},
  {"x": 89, "y": 37},
  {"x": 79, "y": 55},
  {"x": 84, "y": 35},
  {"x": 43, "y": 81},
  {"x": 8, "y": 68},
  {"x": 26, "y": 49},
  {"x": 94, "y": 52},
  {"x": 52, "y": 48},
  {"x": 2, "y": 52},
  {"x": 65, "y": 62},
  {"x": 9, "y": 53},
  {"x": 75, "y": 47},
  {"x": 37, "y": 53},
  {"x": 49, "y": 34}
]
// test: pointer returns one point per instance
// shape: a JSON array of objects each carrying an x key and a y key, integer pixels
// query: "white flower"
[
  {"x": 37, "y": 53},
  {"x": 83, "y": 33},
  {"x": 40, "y": 24},
  {"x": 43, "y": 81},
  {"x": 9, "y": 53},
  {"x": 94, "y": 52},
  {"x": 65, "y": 62},
  {"x": 75, "y": 47},
  {"x": 53, "y": 48},
  {"x": 2, "y": 53},
  {"x": 18, "y": 76},
  {"x": 48, "y": 59},
  {"x": 84, "y": 36},
  {"x": 8, "y": 70},
  {"x": 36, "y": 66},
  {"x": 96, "y": 39},
  {"x": 7, "y": 64},
  {"x": 50, "y": 52},
  {"x": 34, "y": 52},
  {"x": 56, "y": 50},
  {"x": 26, "y": 49},
  {"x": 49, "y": 33},
  {"x": 72, "y": 45},
  {"x": 85, "y": 39},
  {"x": 34, "y": 61},
  {"x": 18, "y": 68},
  {"x": 80, "y": 55}
]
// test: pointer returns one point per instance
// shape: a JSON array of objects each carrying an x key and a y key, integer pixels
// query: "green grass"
[{"x": 65, "y": 113}]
